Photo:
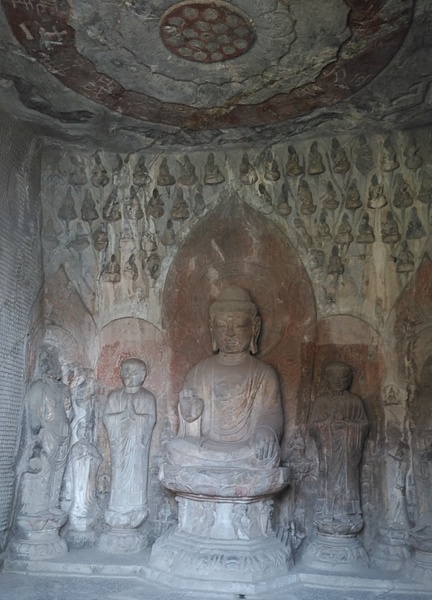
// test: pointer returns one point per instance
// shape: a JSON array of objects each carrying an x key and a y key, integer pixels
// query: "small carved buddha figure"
[
  {"x": 307, "y": 207},
  {"x": 67, "y": 211},
  {"x": 388, "y": 160},
  {"x": 111, "y": 272},
  {"x": 353, "y": 200},
  {"x": 415, "y": 229},
  {"x": 248, "y": 175},
  {"x": 323, "y": 230},
  {"x": 80, "y": 242},
  {"x": 377, "y": 198},
  {"x": 283, "y": 208},
  {"x": 344, "y": 235},
  {"x": 164, "y": 177},
  {"x": 329, "y": 199},
  {"x": 132, "y": 209},
  {"x": 88, "y": 208},
  {"x": 100, "y": 238},
  {"x": 412, "y": 160},
  {"x": 154, "y": 265},
  {"x": 425, "y": 193},
  {"x": 303, "y": 237},
  {"x": 187, "y": 175},
  {"x": 315, "y": 160},
  {"x": 390, "y": 230},
  {"x": 131, "y": 269},
  {"x": 341, "y": 164},
  {"x": 99, "y": 174},
  {"x": 212, "y": 173},
  {"x": 266, "y": 201},
  {"x": 230, "y": 408},
  {"x": 168, "y": 236},
  {"x": 271, "y": 169},
  {"x": 155, "y": 205},
  {"x": 405, "y": 259},
  {"x": 402, "y": 196},
  {"x": 140, "y": 174},
  {"x": 180, "y": 208},
  {"x": 77, "y": 174},
  {"x": 335, "y": 264},
  {"x": 365, "y": 232},
  {"x": 363, "y": 156},
  {"x": 339, "y": 426},
  {"x": 199, "y": 203},
  {"x": 111, "y": 210},
  {"x": 293, "y": 166},
  {"x": 50, "y": 236}
]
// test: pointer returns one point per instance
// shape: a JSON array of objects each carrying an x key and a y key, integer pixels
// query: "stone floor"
[
  {"x": 15, "y": 586},
  {"x": 93, "y": 575}
]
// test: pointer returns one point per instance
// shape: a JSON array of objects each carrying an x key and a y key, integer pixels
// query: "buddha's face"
[
  {"x": 132, "y": 373},
  {"x": 338, "y": 377},
  {"x": 233, "y": 331}
]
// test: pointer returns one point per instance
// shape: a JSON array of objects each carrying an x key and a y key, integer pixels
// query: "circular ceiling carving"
[
  {"x": 206, "y": 32},
  {"x": 282, "y": 59}
]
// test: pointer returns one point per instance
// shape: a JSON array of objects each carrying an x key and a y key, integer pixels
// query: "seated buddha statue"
[{"x": 230, "y": 408}]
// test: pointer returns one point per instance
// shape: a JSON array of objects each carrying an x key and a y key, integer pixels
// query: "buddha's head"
[
  {"x": 234, "y": 322},
  {"x": 133, "y": 372},
  {"x": 338, "y": 376}
]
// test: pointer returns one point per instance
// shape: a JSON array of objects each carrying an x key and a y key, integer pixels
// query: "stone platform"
[{"x": 93, "y": 575}]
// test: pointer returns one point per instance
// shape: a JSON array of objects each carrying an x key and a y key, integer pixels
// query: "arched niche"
[{"x": 236, "y": 244}]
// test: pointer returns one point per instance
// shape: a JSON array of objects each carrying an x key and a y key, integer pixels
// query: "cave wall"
[
  {"x": 21, "y": 279},
  {"x": 128, "y": 240}
]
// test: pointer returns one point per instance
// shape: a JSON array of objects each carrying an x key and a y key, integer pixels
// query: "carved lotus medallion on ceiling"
[{"x": 212, "y": 64}]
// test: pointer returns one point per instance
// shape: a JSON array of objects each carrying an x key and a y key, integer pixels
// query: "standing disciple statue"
[
  {"x": 47, "y": 414},
  {"x": 129, "y": 418},
  {"x": 339, "y": 426},
  {"x": 224, "y": 463}
]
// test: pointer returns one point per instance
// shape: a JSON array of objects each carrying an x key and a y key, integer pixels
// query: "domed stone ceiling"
[{"x": 208, "y": 65}]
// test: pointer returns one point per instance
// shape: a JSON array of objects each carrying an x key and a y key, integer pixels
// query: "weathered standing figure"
[
  {"x": 129, "y": 418},
  {"x": 47, "y": 414},
  {"x": 339, "y": 426}
]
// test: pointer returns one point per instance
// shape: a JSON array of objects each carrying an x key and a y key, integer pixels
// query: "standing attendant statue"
[
  {"x": 47, "y": 414},
  {"x": 339, "y": 426},
  {"x": 129, "y": 419}
]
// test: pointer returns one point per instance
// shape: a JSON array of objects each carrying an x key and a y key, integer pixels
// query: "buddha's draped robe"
[{"x": 238, "y": 399}]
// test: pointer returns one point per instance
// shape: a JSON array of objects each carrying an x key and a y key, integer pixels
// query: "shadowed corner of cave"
[{"x": 216, "y": 329}]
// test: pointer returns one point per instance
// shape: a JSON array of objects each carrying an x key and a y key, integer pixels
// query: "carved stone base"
[
  {"x": 391, "y": 551},
  {"x": 80, "y": 539},
  {"x": 37, "y": 545},
  {"x": 122, "y": 541},
  {"x": 419, "y": 567},
  {"x": 337, "y": 552},
  {"x": 232, "y": 541}
]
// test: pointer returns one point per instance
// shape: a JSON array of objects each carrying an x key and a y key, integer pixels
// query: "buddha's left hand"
[{"x": 265, "y": 443}]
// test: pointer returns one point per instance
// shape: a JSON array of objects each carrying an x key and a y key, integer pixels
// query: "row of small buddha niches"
[{"x": 291, "y": 426}]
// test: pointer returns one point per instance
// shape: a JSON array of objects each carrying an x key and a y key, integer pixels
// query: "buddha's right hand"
[{"x": 191, "y": 406}]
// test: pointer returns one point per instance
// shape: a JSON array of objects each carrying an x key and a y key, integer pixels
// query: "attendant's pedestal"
[
  {"x": 419, "y": 567},
  {"x": 221, "y": 538},
  {"x": 336, "y": 546},
  {"x": 37, "y": 536}
]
